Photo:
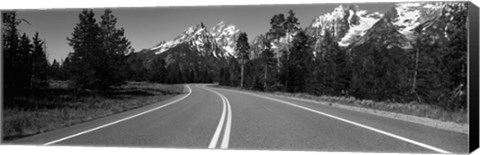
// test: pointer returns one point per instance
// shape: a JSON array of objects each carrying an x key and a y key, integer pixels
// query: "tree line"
[{"x": 433, "y": 72}]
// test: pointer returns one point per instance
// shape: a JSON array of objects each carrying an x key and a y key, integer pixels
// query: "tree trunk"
[
  {"x": 241, "y": 77},
  {"x": 32, "y": 71},
  {"x": 414, "y": 83},
  {"x": 265, "y": 82}
]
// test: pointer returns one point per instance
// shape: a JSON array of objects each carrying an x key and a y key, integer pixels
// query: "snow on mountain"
[
  {"x": 225, "y": 36},
  {"x": 365, "y": 22},
  {"x": 346, "y": 22},
  {"x": 193, "y": 34},
  {"x": 384, "y": 34},
  {"x": 338, "y": 13},
  {"x": 401, "y": 25},
  {"x": 349, "y": 26},
  {"x": 221, "y": 36},
  {"x": 407, "y": 16}
]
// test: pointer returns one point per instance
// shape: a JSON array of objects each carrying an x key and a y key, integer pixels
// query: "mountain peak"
[
  {"x": 191, "y": 33},
  {"x": 407, "y": 16},
  {"x": 337, "y": 13},
  {"x": 225, "y": 36},
  {"x": 347, "y": 23},
  {"x": 221, "y": 37}
]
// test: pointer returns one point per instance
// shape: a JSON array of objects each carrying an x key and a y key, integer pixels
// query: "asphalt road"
[{"x": 208, "y": 117}]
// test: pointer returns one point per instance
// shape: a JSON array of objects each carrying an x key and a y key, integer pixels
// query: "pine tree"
[
  {"x": 291, "y": 24},
  {"x": 24, "y": 63},
  {"x": 268, "y": 60},
  {"x": 342, "y": 75},
  {"x": 88, "y": 59},
  {"x": 329, "y": 51},
  {"x": 116, "y": 45},
  {"x": 242, "y": 47},
  {"x": 277, "y": 29},
  {"x": 10, "y": 45},
  {"x": 39, "y": 63},
  {"x": 299, "y": 63},
  {"x": 54, "y": 71},
  {"x": 66, "y": 68},
  {"x": 234, "y": 71}
]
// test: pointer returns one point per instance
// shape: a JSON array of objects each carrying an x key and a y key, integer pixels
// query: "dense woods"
[{"x": 25, "y": 64}]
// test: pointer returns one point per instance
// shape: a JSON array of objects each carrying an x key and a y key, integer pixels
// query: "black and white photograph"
[{"x": 358, "y": 77}]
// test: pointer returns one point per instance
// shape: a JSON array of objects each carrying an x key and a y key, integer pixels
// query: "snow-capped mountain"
[
  {"x": 402, "y": 24},
  {"x": 196, "y": 35},
  {"x": 407, "y": 16},
  {"x": 221, "y": 37},
  {"x": 347, "y": 23},
  {"x": 225, "y": 36},
  {"x": 383, "y": 34}
]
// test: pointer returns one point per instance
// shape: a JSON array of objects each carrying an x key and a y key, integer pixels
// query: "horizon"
[{"x": 146, "y": 27}]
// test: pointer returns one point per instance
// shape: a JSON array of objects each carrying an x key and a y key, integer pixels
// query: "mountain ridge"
[
  {"x": 350, "y": 26},
  {"x": 221, "y": 35}
]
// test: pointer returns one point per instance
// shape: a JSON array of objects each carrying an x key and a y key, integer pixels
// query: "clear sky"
[{"x": 146, "y": 27}]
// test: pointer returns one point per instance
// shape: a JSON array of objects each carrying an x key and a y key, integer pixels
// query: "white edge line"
[
  {"x": 216, "y": 135},
  {"x": 118, "y": 121},
  {"x": 353, "y": 123},
  {"x": 226, "y": 134}
]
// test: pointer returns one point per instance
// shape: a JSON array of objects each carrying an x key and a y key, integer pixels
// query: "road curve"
[{"x": 209, "y": 117}]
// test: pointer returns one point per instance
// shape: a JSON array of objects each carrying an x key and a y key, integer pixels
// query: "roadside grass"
[
  {"x": 60, "y": 106},
  {"x": 412, "y": 108}
]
